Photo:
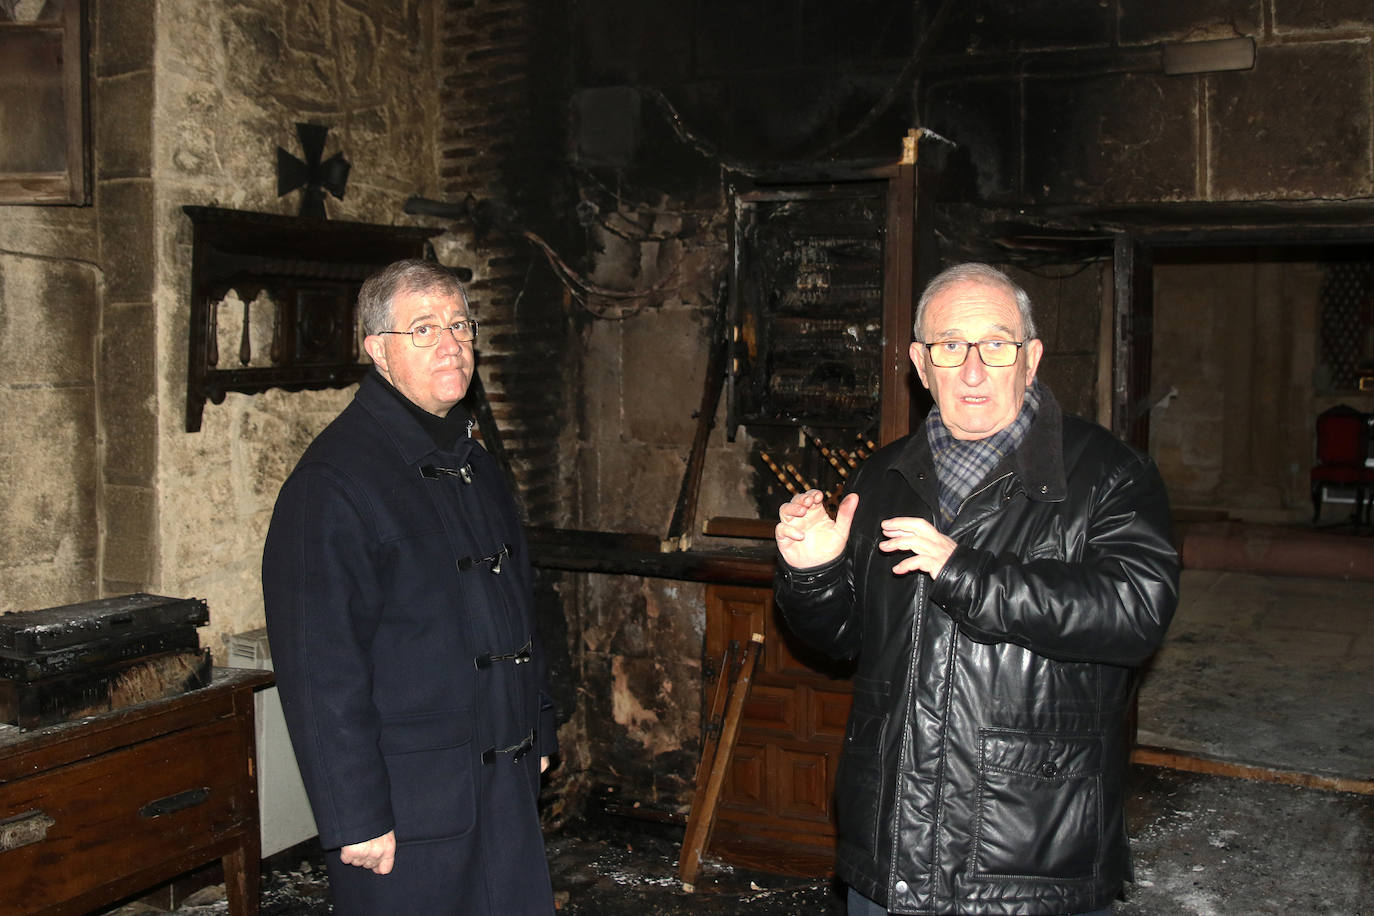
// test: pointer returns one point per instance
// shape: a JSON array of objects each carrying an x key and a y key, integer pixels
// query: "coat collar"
[
  {"x": 1038, "y": 463},
  {"x": 412, "y": 440}
]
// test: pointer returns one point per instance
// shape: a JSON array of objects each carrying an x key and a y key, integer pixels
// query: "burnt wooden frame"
[
  {"x": 1129, "y": 236},
  {"x": 72, "y": 184},
  {"x": 900, "y": 269}
]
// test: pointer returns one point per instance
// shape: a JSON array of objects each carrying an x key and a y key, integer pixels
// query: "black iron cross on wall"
[{"x": 312, "y": 174}]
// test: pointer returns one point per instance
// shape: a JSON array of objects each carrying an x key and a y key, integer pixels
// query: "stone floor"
[
  {"x": 1203, "y": 845},
  {"x": 1267, "y": 670},
  {"x": 1260, "y": 670}
]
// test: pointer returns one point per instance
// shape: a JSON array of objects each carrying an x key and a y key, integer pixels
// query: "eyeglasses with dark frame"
[
  {"x": 427, "y": 335},
  {"x": 950, "y": 354}
]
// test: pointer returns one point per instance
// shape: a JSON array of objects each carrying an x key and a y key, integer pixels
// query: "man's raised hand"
[{"x": 806, "y": 534}]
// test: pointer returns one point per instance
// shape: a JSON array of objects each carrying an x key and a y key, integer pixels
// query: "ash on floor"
[{"x": 1216, "y": 846}]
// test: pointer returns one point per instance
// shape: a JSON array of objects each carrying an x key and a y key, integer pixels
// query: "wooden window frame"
[{"x": 72, "y": 185}]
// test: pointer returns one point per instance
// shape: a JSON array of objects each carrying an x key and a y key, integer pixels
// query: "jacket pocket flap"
[
  {"x": 1045, "y": 756},
  {"x": 405, "y": 734}
]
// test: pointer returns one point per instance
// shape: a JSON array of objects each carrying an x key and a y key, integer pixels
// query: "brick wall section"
[{"x": 493, "y": 147}]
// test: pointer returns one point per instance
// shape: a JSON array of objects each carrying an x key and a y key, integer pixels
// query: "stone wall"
[
  {"x": 49, "y": 324},
  {"x": 1068, "y": 102},
  {"x": 232, "y": 80},
  {"x": 107, "y": 493}
]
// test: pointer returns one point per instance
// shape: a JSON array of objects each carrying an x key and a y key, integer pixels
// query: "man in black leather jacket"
[{"x": 999, "y": 575}]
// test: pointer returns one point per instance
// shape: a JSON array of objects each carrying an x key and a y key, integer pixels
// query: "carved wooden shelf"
[{"x": 310, "y": 270}]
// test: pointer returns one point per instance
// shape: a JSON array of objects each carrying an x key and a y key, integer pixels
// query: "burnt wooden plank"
[{"x": 640, "y": 555}]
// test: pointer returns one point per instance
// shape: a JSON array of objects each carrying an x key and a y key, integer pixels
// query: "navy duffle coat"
[{"x": 399, "y": 610}]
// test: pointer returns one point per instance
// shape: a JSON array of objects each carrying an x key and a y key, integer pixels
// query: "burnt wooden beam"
[
  {"x": 1199, "y": 763},
  {"x": 640, "y": 555},
  {"x": 727, "y": 526},
  {"x": 685, "y": 512}
]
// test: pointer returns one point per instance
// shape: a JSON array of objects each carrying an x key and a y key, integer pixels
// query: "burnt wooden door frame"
[{"x": 1132, "y": 338}]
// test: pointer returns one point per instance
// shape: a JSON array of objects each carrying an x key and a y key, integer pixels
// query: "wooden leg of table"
[{"x": 243, "y": 879}]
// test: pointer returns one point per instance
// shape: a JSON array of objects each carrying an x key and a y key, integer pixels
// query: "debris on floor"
[{"x": 1204, "y": 845}]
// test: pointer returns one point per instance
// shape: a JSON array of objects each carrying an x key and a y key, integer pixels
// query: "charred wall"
[
  {"x": 615, "y": 130},
  {"x": 1068, "y": 103}
]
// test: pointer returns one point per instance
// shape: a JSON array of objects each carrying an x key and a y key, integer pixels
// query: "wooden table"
[{"x": 95, "y": 810}]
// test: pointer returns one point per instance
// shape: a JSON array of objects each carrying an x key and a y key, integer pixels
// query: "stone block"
[
  {"x": 367, "y": 56},
  {"x": 124, "y": 126},
  {"x": 128, "y": 395},
  {"x": 130, "y": 534},
  {"x": 729, "y": 479},
  {"x": 310, "y": 22},
  {"x": 126, "y": 238},
  {"x": 1323, "y": 16},
  {"x": 124, "y": 35},
  {"x": 1043, "y": 24},
  {"x": 606, "y": 121},
  {"x": 734, "y": 38},
  {"x": 680, "y": 171},
  {"x": 1297, "y": 126},
  {"x": 1110, "y": 138},
  {"x": 976, "y": 27},
  {"x": 48, "y": 313},
  {"x": 272, "y": 445},
  {"x": 254, "y": 42},
  {"x": 982, "y": 119},
  {"x": 49, "y": 472},
  {"x": 871, "y": 32},
  {"x": 627, "y": 41},
  {"x": 638, "y": 487},
  {"x": 602, "y": 357},
  {"x": 991, "y": 26},
  {"x": 664, "y": 361},
  {"x": 1197, "y": 20},
  {"x": 65, "y": 580}
]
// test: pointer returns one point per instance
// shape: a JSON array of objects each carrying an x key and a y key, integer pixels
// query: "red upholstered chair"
[{"x": 1342, "y": 447}]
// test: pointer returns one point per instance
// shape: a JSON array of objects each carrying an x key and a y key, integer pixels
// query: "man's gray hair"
[
  {"x": 378, "y": 294},
  {"x": 983, "y": 275}
]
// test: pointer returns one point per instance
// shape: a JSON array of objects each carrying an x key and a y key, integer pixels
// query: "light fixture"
[{"x": 1209, "y": 56}]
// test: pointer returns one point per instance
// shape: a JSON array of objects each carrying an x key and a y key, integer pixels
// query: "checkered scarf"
[{"x": 961, "y": 465}]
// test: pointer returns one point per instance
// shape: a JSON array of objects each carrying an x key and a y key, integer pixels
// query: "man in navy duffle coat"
[{"x": 400, "y": 614}]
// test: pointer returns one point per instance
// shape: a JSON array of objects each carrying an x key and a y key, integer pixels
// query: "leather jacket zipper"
[
  {"x": 978, "y": 492},
  {"x": 908, "y": 728}
]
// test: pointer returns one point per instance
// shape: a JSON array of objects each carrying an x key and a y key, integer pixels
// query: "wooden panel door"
[{"x": 775, "y": 811}]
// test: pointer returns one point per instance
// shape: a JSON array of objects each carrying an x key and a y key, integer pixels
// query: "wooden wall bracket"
[{"x": 311, "y": 270}]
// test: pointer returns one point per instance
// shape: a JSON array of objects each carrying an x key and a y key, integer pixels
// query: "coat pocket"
[
  {"x": 858, "y": 781},
  {"x": 429, "y": 766},
  {"x": 1039, "y": 806}
]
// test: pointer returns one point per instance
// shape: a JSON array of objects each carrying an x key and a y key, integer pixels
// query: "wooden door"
[{"x": 776, "y": 805}]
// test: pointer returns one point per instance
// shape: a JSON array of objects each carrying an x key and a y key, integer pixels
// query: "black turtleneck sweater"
[{"x": 445, "y": 431}]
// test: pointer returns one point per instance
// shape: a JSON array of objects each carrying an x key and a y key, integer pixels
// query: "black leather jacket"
[{"x": 984, "y": 761}]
